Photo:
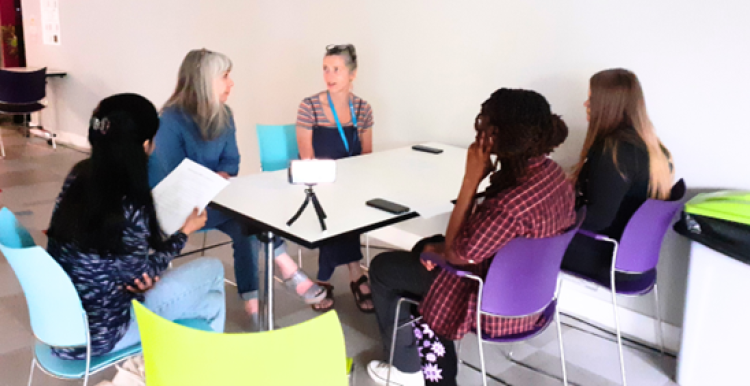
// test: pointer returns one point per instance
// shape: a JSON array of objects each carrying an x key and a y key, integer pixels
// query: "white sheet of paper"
[{"x": 188, "y": 186}]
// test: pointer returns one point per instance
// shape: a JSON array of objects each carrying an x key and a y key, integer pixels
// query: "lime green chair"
[{"x": 309, "y": 353}]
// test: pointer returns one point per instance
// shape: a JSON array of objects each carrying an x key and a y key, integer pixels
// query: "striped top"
[{"x": 310, "y": 113}]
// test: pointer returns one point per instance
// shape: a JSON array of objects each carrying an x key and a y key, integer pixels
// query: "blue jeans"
[
  {"x": 191, "y": 291},
  {"x": 246, "y": 247}
]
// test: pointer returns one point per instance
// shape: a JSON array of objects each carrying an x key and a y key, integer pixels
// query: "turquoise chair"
[
  {"x": 57, "y": 316},
  {"x": 55, "y": 310},
  {"x": 278, "y": 146}
]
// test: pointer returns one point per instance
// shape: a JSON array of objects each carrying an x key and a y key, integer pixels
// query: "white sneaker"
[{"x": 378, "y": 371}]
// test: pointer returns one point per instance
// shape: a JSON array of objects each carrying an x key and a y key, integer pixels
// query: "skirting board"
[
  {"x": 576, "y": 300},
  {"x": 74, "y": 140}
]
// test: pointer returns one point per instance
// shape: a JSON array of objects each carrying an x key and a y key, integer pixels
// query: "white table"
[
  {"x": 50, "y": 72},
  {"x": 421, "y": 181}
]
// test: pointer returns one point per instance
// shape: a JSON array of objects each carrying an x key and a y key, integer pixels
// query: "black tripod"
[{"x": 310, "y": 195}]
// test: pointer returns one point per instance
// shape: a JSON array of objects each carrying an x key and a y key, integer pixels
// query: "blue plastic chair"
[
  {"x": 278, "y": 146},
  {"x": 57, "y": 316}
]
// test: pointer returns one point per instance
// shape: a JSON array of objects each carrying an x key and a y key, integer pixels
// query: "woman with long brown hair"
[{"x": 622, "y": 164}]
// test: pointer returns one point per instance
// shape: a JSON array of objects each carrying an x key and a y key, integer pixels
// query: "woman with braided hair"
[{"x": 528, "y": 197}]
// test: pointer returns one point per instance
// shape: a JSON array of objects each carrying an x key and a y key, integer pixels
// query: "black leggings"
[
  {"x": 396, "y": 274},
  {"x": 438, "y": 356}
]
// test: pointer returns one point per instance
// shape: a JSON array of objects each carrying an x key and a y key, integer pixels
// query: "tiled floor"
[{"x": 30, "y": 179}]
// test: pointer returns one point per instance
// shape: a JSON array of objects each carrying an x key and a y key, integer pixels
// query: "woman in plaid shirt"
[{"x": 530, "y": 197}]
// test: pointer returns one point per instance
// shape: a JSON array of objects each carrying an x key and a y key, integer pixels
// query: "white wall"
[{"x": 427, "y": 66}]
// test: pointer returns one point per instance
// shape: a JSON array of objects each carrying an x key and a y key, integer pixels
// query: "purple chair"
[
  {"x": 23, "y": 93},
  {"x": 637, "y": 253},
  {"x": 522, "y": 281}
]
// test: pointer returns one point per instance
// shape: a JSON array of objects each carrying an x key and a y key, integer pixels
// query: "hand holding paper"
[
  {"x": 194, "y": 222},
  {"x": 187, "y": 187}
]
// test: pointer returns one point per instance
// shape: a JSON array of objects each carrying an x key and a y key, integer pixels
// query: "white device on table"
[{"x": 311, "y": 172}]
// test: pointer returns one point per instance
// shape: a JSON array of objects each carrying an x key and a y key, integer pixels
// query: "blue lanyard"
[{"x": 338, "y": 123}]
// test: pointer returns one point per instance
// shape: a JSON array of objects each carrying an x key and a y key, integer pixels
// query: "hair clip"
[{"x": 101, "y": 125}]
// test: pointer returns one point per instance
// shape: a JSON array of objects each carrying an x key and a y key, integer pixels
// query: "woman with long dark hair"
[
  {"x": 528, "y": 196},
  {"x": 197, "y": 124},
  {"x": 622, "y": 164},
  {"x": 105, "y": 234}
]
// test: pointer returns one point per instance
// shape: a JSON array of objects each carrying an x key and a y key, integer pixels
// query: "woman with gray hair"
[{"x": 197, "y": 124}]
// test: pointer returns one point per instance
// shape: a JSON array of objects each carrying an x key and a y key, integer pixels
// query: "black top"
[{"x": 612, "y": 194}]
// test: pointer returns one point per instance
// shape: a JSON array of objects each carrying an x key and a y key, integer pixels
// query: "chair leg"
[
  {"x": 203, "y": 248},
  {"x": 458, "y": 351},
  {"x": 619, "y": 333},
  {"x": 88, "y": 354},
  {"x": 562, "y": 349},
  {"x": 659, "y": 331},
  {"x": 27, "y": 131},
  {"x": 396, "y": 327},
  {"x": 481, "y": 357},
  {"x": 393, "y": 340},
  {"x": 31, "y": 373},
  {"x": 367, "y": 249}
]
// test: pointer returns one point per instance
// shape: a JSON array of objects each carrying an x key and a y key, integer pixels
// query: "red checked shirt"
[{"x": 541, "y": 206}]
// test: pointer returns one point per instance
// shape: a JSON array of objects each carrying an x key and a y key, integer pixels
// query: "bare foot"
[
  {"x": 324, "y": 304},
  {"x": 327, "y": 302}
]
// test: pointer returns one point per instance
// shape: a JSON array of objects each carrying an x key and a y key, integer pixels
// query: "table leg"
[{"x": 270, "y": 257}]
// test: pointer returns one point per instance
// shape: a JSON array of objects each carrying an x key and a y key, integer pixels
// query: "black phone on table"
[
  {"x": 427, "y": 149},
  {"x": 390, "y": 207}
]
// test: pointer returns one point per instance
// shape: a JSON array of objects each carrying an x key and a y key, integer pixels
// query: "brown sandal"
[
  {"x": 360, "y": 297},
  {"x": 329, "y": 295}
]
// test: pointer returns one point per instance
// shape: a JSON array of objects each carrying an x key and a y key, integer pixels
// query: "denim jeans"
[
  {"x": 194, "y": 290},
  {"x": 246, "y": 247}
]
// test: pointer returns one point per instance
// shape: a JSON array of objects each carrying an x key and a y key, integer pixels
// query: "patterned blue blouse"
[{"x": 101, "y": 280}]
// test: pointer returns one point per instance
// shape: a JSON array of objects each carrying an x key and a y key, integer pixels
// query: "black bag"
[{"x": 728, "y": 237}]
